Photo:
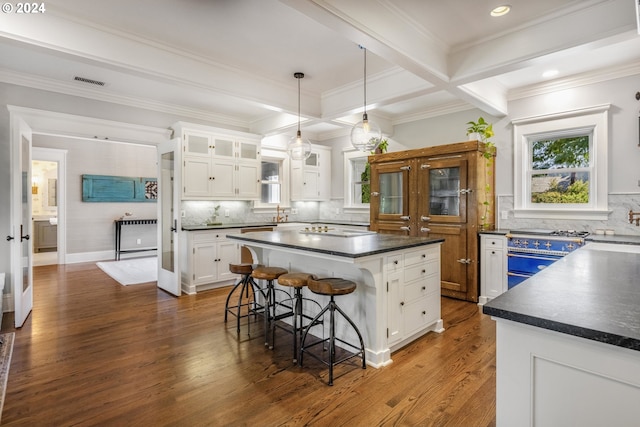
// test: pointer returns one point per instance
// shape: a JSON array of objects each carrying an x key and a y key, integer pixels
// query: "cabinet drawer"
[
  {"x": 210, "y": 235},
  {"x": 420, "y": 314},
  {"x": 494, "y": 242},
  {"x": 419, "y": 255},
  {"x": 394, "y": 263},
  {"x": 419, "y": 271},
  {"x": 422, "y": 287}
]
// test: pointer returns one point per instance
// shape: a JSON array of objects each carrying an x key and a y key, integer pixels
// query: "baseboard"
[
  {"x": 8, "y": 303},
  {"x": 104, "y": 256}
]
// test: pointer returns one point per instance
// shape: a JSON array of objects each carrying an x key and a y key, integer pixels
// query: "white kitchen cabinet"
[
  {"x": 493, "y": 267},
  {"x": 413, "y": 287},
  {"x": 219, "y": 164},
  {"x": 311, "y": 178},
  {"x": 208, "y": 255}
]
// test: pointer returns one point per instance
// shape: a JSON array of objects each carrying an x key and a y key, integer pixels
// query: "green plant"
[
  {"x": 365, "y": 176},
  {"x": 482, "y": 128},
  {"x": 485, "y": 132}
]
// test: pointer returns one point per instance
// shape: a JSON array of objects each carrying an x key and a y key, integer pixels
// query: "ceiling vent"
[{"x": 89, "y": 81}]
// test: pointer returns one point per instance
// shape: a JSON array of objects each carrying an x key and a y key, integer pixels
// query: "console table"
[{"x": 119, "y": 223}]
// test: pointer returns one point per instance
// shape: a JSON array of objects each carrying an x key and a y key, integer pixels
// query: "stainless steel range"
[{"x": 530, "y": 251}]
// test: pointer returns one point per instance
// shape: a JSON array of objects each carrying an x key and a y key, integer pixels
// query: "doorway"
[{"x": 48, "y": 173}]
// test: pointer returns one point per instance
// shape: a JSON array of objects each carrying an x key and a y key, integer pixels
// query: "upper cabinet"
[
  {"x": 219, "y": 164},
  {"x": 311, "y": 178}
]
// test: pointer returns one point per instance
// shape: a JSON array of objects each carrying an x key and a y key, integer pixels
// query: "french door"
[
  {"x": 169, "y": 185},
  {"x": 20, "y": 237}
]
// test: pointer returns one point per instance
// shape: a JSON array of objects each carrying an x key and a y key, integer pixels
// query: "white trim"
[
  {"x": 285, "y": 197},
  {"x": 593, "y": 119},
  {"x": 348, "y": 156}
]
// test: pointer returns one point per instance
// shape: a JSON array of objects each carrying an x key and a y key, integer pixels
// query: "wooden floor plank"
[{"x": 94, "y": 352}]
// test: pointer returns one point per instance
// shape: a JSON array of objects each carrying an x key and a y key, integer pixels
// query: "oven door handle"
[
  {"x": 533, "y": 257},
  {"x": 516, "y": 274}
]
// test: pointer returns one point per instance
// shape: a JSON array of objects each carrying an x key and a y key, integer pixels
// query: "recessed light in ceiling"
[
  {"x": 500, "y": 10},
  {"x": 550, "y": 73}
]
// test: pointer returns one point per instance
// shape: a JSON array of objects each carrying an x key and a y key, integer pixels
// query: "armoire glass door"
[{"x": 445, "y": 182}]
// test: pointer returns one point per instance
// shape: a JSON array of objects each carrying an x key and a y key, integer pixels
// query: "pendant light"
[
  {"x": 299, "y": 148},
  {"x": 365, "y": 135}
]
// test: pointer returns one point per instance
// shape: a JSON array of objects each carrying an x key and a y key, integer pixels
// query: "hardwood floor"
[{"x": 94, "y": 352}]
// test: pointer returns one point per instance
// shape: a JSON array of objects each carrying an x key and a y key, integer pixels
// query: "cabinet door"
[
  {"x": 454, "y": 268},
  {"x": 223, "y": 147},
  {"x": 395, "y": 289},
  {"x": 204, "y": 265},
  {"x": 248, "y": 180},
  {"x": 197, "y": 144},
  {"x": 493, "y": 267},
  {"x": 222, "y": 174},
  {"x": 443, "y": 190},
  {"x": 248, "y": 150},
  {"x": 227, "y": 252},
  {"x": 390, "y": 194},
  {"x": 196, "y": 178},
  {"x": 310, "y": 183}
]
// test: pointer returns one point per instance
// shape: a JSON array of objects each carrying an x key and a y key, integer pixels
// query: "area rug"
[
  {"x": 132, "y": 271},
  {"x": 6, "y": 349}
]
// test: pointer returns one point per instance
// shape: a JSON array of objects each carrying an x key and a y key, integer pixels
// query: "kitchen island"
[
  {"x": 398, "y": 295},
  {"x": 568, "y": 342}
]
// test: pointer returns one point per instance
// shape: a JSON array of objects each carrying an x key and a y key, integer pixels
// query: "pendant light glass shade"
[
  {"x": 299, "y": 148},
  {"x": 365, "y": 135}
]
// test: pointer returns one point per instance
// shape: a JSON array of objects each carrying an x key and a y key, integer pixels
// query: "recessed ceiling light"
[
  {"x": 500, "y": 10},
  {"x": 550, "y": 73}
]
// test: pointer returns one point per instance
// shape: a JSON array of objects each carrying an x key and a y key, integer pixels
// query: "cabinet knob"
[
  {"x": 395, "y": 262},
  {"x": 425, "y": 218},
  {"x": 424, "y": 312},
  {"x": 493, "y": 252},
  {"x": 424, "y": 255},
  {"x": 405, "y": 217},
  {"x": 424, "y": 288},
  {"x": 493, "y": 243},
  {"x": 405, "y": 228},
  {"x": 425, "y": 229},
  {"x": 402, "y": 303},
  {"x": 424, "y": 271}
]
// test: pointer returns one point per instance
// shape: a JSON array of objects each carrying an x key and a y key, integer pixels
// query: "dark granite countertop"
[
  {"x": 351, "y": 247},
  {"x": 223, "y": 226},
  {"x": 593, "y": 294},
  {"x": 618, "y": 239},
  {"x": 269, "y": 224}
]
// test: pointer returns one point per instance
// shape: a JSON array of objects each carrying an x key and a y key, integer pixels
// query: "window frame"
[
  {"x": 349, "y": 205},
  {"x": 592, "y": 121},
  {"x": 285, "y": 200}
]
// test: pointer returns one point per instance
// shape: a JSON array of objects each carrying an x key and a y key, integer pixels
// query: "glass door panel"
[
  {"x": 391, "y": 193},
  {"x": 444, "y": 183}
]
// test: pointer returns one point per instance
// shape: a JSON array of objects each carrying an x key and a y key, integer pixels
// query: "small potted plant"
[
  {"x": 480, "y": 130},
  {"x": 365, "y": 176}
]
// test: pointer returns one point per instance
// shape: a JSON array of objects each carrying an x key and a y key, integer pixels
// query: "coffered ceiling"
[{"x": 231, "y": 62}]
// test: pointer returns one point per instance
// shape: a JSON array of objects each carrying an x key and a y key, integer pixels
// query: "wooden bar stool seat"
[
  {"x": 332, "y": 287},
  {"x": 297, "y": 281},
  {"x": 248, "y": 289},
  {"x": 269, "y": 292}
]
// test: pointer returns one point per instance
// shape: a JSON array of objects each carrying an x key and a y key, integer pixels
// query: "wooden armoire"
[{"x": 444, "y": 191}]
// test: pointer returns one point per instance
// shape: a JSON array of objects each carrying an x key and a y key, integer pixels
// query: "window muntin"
[{"x": 357, "y": 188}]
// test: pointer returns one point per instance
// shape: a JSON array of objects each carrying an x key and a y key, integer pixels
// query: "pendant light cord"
[
  {"x": 365, "y": 79},
  {"x": 298, "y": 103}
]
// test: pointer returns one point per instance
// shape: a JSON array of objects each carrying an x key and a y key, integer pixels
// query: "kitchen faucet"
[{"x": 280, "y": 218}]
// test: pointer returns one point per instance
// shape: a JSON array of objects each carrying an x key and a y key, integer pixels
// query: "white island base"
[
  {"x": 546, "y": 378},
  {"x": 396, "y": 301}
]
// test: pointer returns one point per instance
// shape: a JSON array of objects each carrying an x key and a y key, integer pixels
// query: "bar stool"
[
  {"x": 269, "y": 274},
  {"x": 245, "y": 284},
  {"x": 297, "y": 281},
  {"x": 331, "y": 287}
]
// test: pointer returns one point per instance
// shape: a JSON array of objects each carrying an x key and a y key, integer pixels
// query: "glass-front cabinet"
[{"x": 389, "y": 201}]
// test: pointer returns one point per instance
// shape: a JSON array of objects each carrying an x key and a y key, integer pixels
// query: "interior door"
[
  {"x": 169, "y": 216},
  {"x": 20, "y": 238}
]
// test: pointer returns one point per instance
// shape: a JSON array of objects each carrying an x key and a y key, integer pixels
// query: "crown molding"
[{"x": 584, "y": 79}]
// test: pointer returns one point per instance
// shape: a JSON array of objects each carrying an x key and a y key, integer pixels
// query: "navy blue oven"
[{"x": 530, "y": 252}]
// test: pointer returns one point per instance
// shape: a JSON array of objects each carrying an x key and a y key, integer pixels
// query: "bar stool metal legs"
[
  {"x": 333, "y": 287},
  {"x": 248, "y": 290},
  {"x": 269, "y": 274}
]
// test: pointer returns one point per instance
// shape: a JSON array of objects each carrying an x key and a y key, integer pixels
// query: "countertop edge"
[{"x": 247, "y": 238}]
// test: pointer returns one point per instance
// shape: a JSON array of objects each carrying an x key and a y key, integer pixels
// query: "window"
[
  {"x": 356, "y": 177},
  {"x": 271, "y": 182},
  {"x": 275, "y": 173},
  {"x": 561, "y": 165}
]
